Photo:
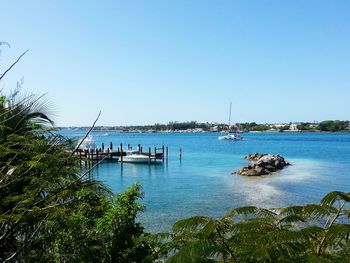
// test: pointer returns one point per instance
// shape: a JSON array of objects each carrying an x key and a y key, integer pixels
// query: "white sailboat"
[{"x": 232, "y": 137}]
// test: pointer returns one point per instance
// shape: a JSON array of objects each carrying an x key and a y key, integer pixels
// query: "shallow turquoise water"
[{"x": 202, "y": 182}]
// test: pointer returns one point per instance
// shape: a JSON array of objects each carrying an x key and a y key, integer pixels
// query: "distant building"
[
  {"x": 293, "y": 127},
  {"x": 280, "y": 125},
  {"x": 214, "y": 129}
]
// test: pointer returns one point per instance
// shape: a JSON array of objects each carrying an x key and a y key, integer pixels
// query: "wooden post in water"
[
  {"x": 167, "y": 153},
  {"x": 111, "y": 146},
  {"x": 139, "y": 148},
  {"x": 180, "y": 153},
  {"x": 121, "y": 153},
  {"x": 103, "y": 147},
  {"x": 97, "y": 157},
  {"x": 149, "y": 156},
  {"x": 163, "y": 153},
  {"x": 128, "y": 146},
  {"x": 85, "y": 158},
  {"x": 155, "y": 154},
  {"x": 88, "y": 159}
]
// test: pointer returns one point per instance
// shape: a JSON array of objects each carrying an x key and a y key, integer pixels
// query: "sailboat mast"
[{"x": 229, "y": 117}]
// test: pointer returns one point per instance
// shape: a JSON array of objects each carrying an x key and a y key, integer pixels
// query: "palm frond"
[
  {"x": 251, "y": 211},
  {"x": 330, "y": 198},
  {"x": 190, "y": 224}
]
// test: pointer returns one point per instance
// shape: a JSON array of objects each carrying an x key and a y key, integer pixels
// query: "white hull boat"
[
  {"x": 87, "y": 144},
  {"x": 233, "y": 137},
  {"x": 138, "y": 158}
]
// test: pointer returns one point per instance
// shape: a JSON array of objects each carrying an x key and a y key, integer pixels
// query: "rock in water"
[{"x": 262, "y": 164}]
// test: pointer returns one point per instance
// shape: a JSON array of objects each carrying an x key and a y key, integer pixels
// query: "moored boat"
[
  {"x": 138, "y": 158},
  {"x": 231, "y": 137},
  {"x": 88, "y": 143}
]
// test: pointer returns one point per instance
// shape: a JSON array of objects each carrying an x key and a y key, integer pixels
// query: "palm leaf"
[
  {"x": 190, "y": 224},
  {"x": 330, "y": 198},
  {"x": 251, "y": 211},
  {"x": 196, "y": 251}
]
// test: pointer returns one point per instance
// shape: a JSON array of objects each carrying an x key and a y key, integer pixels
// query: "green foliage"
[
  {"x": 310, "y": 233},
  {"x": 259, "y": 127},
  {"x": 304, "y": 126},
  {"x": 20, "y": 115},
  {"x": 119, "y": 229},
  {"x": 253, "y": 126},
  {"x": 333, "y": 126},
  {"x": 50, "y": 209}
]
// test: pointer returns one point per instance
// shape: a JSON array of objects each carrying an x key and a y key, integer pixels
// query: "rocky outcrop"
[{"x": 262, "y": 164}]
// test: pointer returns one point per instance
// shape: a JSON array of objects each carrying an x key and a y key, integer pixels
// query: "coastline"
[{"x": 196, "y": 131}]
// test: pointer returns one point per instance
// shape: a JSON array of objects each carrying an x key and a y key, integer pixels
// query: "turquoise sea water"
[{"x": 202, "y": 183}]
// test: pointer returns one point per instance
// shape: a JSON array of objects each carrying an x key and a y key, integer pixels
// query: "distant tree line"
[
  {"x": 329, "y": 125},
  {"x": 172, "y": 126},
  {"x": 253, "y": 126}
]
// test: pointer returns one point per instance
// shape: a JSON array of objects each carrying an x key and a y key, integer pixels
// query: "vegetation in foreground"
[
  {"x": 53, "y": 211},
  {"x": 50, "y": 209},
  {"x": 310, "y": 233}
]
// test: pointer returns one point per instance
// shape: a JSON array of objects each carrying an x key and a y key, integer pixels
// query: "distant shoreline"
[
  {"x": 199, "y": 127},
  {"x": 193, "y": 131}
]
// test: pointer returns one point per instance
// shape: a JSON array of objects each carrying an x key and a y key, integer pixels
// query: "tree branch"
[
  {"x": 18, "y": 59},
  {"x": 86, "y": 135}
]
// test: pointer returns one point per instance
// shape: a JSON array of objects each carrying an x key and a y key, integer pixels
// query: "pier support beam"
[
  {"x": 121, "y": 153},
  {"x": 149, "y": 156}
]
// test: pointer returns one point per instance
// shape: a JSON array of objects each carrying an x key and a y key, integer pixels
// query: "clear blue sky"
[{"x": 143, "y": 62}]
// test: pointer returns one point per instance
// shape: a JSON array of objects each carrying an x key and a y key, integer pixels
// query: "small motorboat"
[{"x": 138, "y": 158}]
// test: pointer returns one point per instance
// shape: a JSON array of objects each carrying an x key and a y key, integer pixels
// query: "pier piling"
[
  {"x": 155, "y": 154},
  {"x": 121, "y": 153},
  {"x": 149, "y": 156},
  {"x": 167, "y": 152},
  {"x": 97, "y": 157}
]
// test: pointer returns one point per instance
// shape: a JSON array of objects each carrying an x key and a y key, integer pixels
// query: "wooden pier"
[{"x": 91, "y": 157}]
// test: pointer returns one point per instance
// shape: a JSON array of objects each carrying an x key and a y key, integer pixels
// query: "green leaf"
[
  {"x": 330, "y": 198},
  {"x": 190, "y": 224}
]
